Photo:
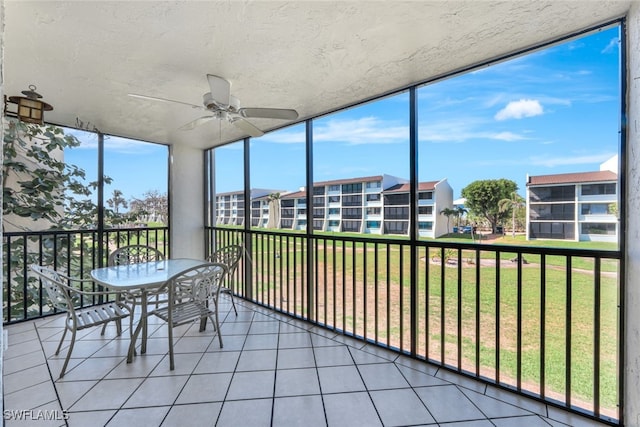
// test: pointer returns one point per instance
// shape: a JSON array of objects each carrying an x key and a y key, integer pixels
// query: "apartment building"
[
  {"x": 369, "y": 205},
  {"x": 230, "y": 207},
  {"x": 580, "y": 206}
]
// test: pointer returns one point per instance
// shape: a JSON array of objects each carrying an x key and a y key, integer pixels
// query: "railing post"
[{"x": 413, "y": 212}]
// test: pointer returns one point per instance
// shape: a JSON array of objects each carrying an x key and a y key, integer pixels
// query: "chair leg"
[
  {"x": 172, "y": 365},
  {"x": 233, "y": 304},
  {"x": 216, "y": 323},
  {"x": 66, "y": 360},
  {"x": 64, "y": 334}
]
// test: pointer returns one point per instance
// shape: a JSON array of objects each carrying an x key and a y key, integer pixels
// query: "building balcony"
[
  {"x": 273, "y": 370},
  {"x": 342, "y": 341}
]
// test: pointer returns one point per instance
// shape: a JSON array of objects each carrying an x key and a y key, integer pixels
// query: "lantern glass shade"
[{"x": 30, "y": 111}]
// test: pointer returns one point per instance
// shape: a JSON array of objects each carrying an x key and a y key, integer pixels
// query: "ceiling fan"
[{"x": 223, "y": 106}]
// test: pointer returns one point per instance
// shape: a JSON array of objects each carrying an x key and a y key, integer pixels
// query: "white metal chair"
[
  {"x": 134, "y": 254},
  {"x": 229, "y": 256},
  {"x": 65, "y": 297},
  {"x": 192, "y": 295}
]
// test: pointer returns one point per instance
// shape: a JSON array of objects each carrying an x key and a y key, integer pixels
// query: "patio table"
[{"x": 142, "y": 278}]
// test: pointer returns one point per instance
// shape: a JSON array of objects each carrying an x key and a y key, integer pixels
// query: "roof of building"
[
  {"x": 404, "y": 188},
  {"x": 294, "y": 195},
  {"x": 568, "y": 178},
  {"x": 349, "y": 180}
]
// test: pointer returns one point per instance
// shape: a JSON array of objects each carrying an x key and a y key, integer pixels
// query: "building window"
[
  {"x": 287, "y": 213},
  {"x": 396, "y": 213},
  {"x": 318, "y": 224},
  {"x": 396, "y": 199},
  {"x": 352, "y": 200},
  {"x": 558, "y": 211},
  {"x": 286, "y": 223},
  {"x": 425, "y": 195},
  {"x": 373, "y": 197},
  {"x": 552, "y": 230},
  {"x": 334, "y": 223},
  {"x": 558, "y": 193},
  {"x": 598, "y": 189},
  {"x": 319, "y": 201},
  {"x": 352, "y": 213},
  {"x": 597, "y": 208},
  {"x": 374, "y": 184},
  {"x": 608, "y": 228},
  {"x": 288, "y": 203},
  {"x": 425, "y": 225},
  {"x": 318, "y": 212},
  {"x": 374, "y": 211},
  {"x": 334, "y": 211},
  {"x": 425, "y": 210},
  {"x": 334, "y": 188},
  {"x": 334, "y": 199},
  {"x": 351, "y": 188},
  {"x": 318, "y": 191},
  {"x": 396, "y": 227},
  {"x": 351, "y": 226}
]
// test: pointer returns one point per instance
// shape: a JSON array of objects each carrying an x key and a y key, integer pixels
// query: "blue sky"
[{"x": 552, "y": 111}]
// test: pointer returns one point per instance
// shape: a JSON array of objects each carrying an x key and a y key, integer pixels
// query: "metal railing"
[
  {"x": 74, "y": 252},
  {"x": 544, "y": 322}
]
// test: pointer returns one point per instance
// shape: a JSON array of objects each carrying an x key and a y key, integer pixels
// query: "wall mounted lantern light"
[{"x": 30, "y": 108}]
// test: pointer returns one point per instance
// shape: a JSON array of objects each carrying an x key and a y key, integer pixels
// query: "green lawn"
[{"x": 348, "y": 279}]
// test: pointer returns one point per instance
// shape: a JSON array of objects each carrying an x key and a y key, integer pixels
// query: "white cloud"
[
  {"x": 613, "y": 44},
  {"x": 366, "y": 130},
  {"x": 576, "y": 160},
  {"x": 520, "y": 109},
  {"x": 507, "y": 136}
]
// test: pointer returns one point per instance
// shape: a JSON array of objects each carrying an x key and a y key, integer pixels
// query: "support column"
[
  {"x": 186, "y": 204},
  {"x": 631, "y": 296}
]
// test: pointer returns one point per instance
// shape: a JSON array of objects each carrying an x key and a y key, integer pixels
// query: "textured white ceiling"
[{"x": 313, "y": 56}]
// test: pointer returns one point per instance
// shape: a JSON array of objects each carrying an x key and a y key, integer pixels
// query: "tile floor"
[{"x": 272, "y": 371}]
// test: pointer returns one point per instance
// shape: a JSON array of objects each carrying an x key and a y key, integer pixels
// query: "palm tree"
[
  {"x": 274, "y": 210},
  {"x": 116, "y": 201},
  {"x": 514, "y": 203},
  {"x": 448, "y": 212},
  {"x": 460, "y": 212}
]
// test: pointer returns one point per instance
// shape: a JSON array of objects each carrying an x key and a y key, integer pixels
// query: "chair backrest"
[
  {"x": 53, "y": 284},
  {"x": 197, "y": 282},
  {"x": 229, "y": 256},
  {"x": 134, "y": 254}
]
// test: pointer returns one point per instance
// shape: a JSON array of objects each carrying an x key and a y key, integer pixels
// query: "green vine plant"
[{"x": 43, "y": 193}]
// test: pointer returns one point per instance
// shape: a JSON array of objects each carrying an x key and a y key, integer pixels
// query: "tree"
[
  {"x": 512, "y": 205},
  {"x": 274, "y": 210},
  {"x": 460, "y": 212},
  {"x": 153, "y": 207},
  {"x": 116, "y": 201},
  {"x": 38, "y": 185},
  {"x": 448, "y": 212},
  {"x": 483, "y": 198}
]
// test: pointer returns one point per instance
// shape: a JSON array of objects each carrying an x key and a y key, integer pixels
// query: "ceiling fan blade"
[
  {"x": 269, "y": 113},
  {"x": 197, "y": 122},
  {"x": 247, "y": 127},
  {"x": 154, "y": 98},
  {"x": 220, "y": 89}
]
